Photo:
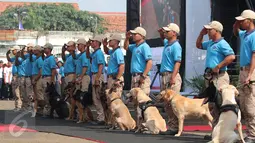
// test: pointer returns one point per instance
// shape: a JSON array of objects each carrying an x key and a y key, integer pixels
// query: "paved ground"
[{"x": 60, "y": 131}]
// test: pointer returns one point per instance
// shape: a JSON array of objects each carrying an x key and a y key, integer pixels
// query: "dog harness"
[
  {"x": 230, "y": 107},
  {"x": 143, "y": 106}
]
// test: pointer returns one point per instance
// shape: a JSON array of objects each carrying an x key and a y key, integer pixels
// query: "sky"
[{"x": 91, "y": 5}]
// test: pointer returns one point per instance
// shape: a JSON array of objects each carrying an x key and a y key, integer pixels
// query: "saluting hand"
[
  {"x": 204, "y": 31},
  {"x": 128, "y": 35},
  {"x": 105, "y": 43}
]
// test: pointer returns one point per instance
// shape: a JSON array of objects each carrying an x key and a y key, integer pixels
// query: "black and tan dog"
[
  {"x": 80, "y": 99},
  {"x": 105, "y": 105}
]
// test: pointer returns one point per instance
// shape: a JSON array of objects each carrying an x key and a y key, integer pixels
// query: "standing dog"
[
  {"x": 148, "y": 115},
  {"x": 230, "y": 117},
  {"x": 119, "y": 111},
  {"x": 184, "y": 107}
]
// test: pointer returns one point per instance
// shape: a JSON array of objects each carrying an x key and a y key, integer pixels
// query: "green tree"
[{"x": 52, "y": 17}]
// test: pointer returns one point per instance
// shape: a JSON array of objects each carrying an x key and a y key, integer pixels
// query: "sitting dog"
[
  {"x": 57, "y": 103},
  {"x": 148, "y": 115},
  {"x": 230, "y": 117},
  {"x": 184, "y": 107},
  {"x": 82, "y": 100},
  {"x": 104, "y": 102},
  {"x": 119, "y": 111}
]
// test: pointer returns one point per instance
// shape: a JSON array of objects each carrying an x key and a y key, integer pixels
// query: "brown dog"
[
  {"x": 119, "y": 111},
  {"x": 148, "y": 115},
  {"x": 185, "y": 108},
  {"x": 84, "y": 112}
]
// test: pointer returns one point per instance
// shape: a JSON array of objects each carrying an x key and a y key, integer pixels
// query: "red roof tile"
[
  {"x": 4, "y": 4},
  {"x": 114, "y": 21}
]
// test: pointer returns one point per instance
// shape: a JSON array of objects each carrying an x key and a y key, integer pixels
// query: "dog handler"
[
  {"x": 169, "y": 69},
  {"x": 15, "y": 81},
  {"x": 247, "y": 74},
  {"x": 48, "y": 74},
  {"x": 37, "y": 63},
  {"x": 82, "y": 72},
  {"x": 69, "y": 69},
  {"x": 97, "y": 66},
  {"x": 141, "y": 61},
  {"x": 116, "y": 63},
  {"x": 219, "y": 55}
]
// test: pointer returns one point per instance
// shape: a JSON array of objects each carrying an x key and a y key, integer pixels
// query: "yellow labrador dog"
[
  {"x": 185, "y": 108},
  {"x": 119, "y": 111},
  {"x": 148, "y": 115},
  {"x": 230, "y": 118}
]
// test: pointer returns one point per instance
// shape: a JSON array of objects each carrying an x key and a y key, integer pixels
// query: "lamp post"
[
  {"x": 20, "y": 14},
  {"x": 95, "y": 28}
]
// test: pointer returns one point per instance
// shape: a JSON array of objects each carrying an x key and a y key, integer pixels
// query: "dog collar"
[{"x": 114, "y": 99}]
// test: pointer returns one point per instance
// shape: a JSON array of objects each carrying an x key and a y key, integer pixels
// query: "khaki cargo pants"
[
  {"x": 164, "y": 84},
  {"x": 247, "y": 102},
  {"x": 145, "y": 86},
  {"x": 26, "y": 90},
  {"x": 16, "y": 91},
  {"x": 84, "y": 85},
  {"x": 38, "y": 91},
  {"x": 219, "y": 80},
  {"x": 96, "y": 90},
  {"x": 111, "y": 81}
]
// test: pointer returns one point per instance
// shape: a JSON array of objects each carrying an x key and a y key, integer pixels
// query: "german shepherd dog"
[
  {"x": 82, "y": 100},
  {"x": 57, "y": 103},
  {"x": 105, "y": 104}
]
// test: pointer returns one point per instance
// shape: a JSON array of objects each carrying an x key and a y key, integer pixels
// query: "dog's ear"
[
  {"x": 236, "y": 92},
  {"x": 48, "y": 84}
]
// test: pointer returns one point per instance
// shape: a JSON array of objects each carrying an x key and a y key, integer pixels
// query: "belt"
[
  {"x": 94, "y": 73},
  {"x": 165, "y": 73},
  {"x": 136, "y": 74},
  {"x": 113, "y": 76},
  {"x": 67, "y": 74},
  {"x": 244, "y": 68},
  {"x": 220, "y": 72},
  {"x": 27, "y": 76},
  {"x": 46, "y": 76}
]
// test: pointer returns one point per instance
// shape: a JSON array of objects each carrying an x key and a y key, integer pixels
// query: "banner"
[{"x": 159, "y": 13}]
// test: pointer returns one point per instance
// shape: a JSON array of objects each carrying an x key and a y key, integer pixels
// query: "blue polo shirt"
[
  {"x": 28, "y": 65},
  {"x": 21, "y": 67},
  {"x": 61, "y": 71},
  {"x": 97, "y": 58},
  {"x": 69, "y": 66},
  {"x": 116, "y": 58},
  {"x": 247, "y": 47},
  {"x": 172, "y": 53},
  {"x": 14, "y": 68},
  {"x": 36, "y": 64},
  {"x": 140, "y": 55},
  {"x": 49, "y": 63},
  {"x": 216, "y": 52},
  {"x": 81, "y": 62}
]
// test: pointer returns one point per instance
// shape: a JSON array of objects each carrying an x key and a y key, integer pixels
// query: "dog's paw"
[
  {"x": 147, "y": 132},
  {"x": 138, "y": 131},
  {"x": 177, "y": 135}
]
